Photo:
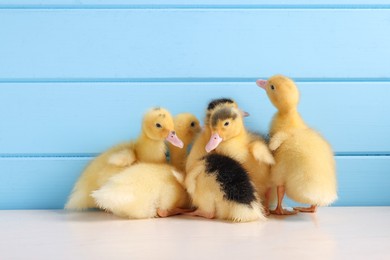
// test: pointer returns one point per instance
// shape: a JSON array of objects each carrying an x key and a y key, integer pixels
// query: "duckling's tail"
[
  {"x": 246, "y": 213},
  {"x": 113, "y": 197},
  {"x": 79, "y": 200},
  {"x": 238, "y": 191}
]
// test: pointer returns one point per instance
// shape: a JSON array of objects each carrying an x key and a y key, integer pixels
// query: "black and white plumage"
[
  {"x": 232, "y": 178},
  {"x": 220, "y": 188}
]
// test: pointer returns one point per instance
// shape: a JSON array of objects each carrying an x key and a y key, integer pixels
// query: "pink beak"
[
  {"x": 261, "y": 83},
  {"x": 174, "y": 139},
  {"x": 215, "y": 140}
]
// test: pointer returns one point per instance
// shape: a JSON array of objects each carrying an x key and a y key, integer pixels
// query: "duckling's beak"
[
  {"x": 261, "y": 83},
  {"x": 174, "y": 139},
  {"x": 215, "y": 140}
]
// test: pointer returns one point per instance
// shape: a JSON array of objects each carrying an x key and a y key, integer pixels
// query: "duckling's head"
[
  {"x": 158, "y": 125},
  {"x": 282, "y": 92},
  {"x": 225, "y": 123},
  {"x": 187, "y": 126},
  {"x": 219, "y": 103}
]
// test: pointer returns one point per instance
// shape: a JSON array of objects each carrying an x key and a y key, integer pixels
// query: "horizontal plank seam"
[
  {"x": 192, "y": 7},
  {"x": 92, "y": 155},
  {"x": 182, "y": 80}
]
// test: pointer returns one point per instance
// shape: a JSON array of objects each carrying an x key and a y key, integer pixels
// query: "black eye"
[
  {"x": 192, "y": 124},
  {"x": 272, "y": 87},
  {"x": 226, "y": 124},
  {"x": 158, "y": 125}
]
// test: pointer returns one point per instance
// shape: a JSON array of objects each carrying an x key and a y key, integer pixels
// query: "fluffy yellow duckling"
[
  {"x": 150, "y": 147},
  {"x": 305, "y": 166},
  {"x": 219, "y": 184},
  {"x": 144, "y": 190},
  {"x": 187, "y": 127}
]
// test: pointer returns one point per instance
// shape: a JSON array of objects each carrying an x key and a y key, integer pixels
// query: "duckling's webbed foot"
[
  {"x": 279, "y": 208},
  {"x": 201, "y": 213},
  {"x": 282, "y": 211},
  {"x": 163, "y": 213},
  {"x": 311, "y": 209}
]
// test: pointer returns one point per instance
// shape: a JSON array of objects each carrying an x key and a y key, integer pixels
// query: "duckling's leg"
[
  {"x": 279, "y": 208},
  {"x": 200, "y": 213},
  {"x": 163, "y": 213},
  {"x": 311, "y": 209},
  {"x": 266, "y": 202}
]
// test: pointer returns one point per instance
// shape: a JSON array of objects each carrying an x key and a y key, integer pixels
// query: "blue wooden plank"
[
  {"x": 37, "y": 183},
  {"x": 194, "y": 3},
  {"x": 143, "y": 44},
  {"x": 363, "y": 181},
  {"x": 45, "y": 183},
  {"x": 85, "y": 118}
]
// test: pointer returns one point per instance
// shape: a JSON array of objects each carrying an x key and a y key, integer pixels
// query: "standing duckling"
[
  {"x": 304, "y": 167},
  {"x": 187, "y": 128},
  {"x": 157, "y": 127},
  {"x": 144, "y": 190}
]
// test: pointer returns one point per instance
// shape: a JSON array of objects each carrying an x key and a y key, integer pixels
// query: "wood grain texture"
[
  {"x": 144, "y": 44},
  {"x": 45, "y": 183}
]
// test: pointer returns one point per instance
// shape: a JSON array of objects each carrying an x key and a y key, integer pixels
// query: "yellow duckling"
[
  {"x": 144, "y": 190},
  {"x": 305, "y": 166},
  {"x": 187, "y": 128},
  {"x": 219, "y": 184},
  {"x": 150, "y": 147}
]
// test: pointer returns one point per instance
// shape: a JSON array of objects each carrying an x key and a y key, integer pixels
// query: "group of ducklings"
[{"x": 229, "y": 173}]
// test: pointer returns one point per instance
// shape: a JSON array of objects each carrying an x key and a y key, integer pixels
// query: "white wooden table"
[{"x": 332, "y": 233}]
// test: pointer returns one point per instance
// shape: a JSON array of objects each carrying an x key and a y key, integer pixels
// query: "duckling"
[
  {"x": 304, "y": 167},
  {"x": 220, "y": 188},
  {"x": 229, "y": 137},
  {"x": 144, "y": 190},
  {"x": 235, "y": 159},
  {"x": 157, "y": 127},
  {"x": 187, "y": 128},
  {"x": 198, "y": 148}
]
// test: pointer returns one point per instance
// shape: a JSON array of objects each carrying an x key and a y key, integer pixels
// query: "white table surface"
[{"x": 331, "y": 233}]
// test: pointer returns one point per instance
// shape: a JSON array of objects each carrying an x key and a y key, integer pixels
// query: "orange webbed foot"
[
  {"x": 163, "y": 213},
  {"x": 282, "y": 211},
  {"x": 311, "y": 209},
  {"x": 201, "y": 213}
]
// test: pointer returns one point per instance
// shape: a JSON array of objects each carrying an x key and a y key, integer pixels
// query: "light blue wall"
[{"x": 77, "y": 76}]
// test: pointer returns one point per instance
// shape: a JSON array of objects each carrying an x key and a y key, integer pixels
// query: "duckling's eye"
[
  {"x": 192, "y": 124},
  {"x": 226, "y": 124},
  {"x": 158, "y": 125},
  {"x": 272, "y": 87}
]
